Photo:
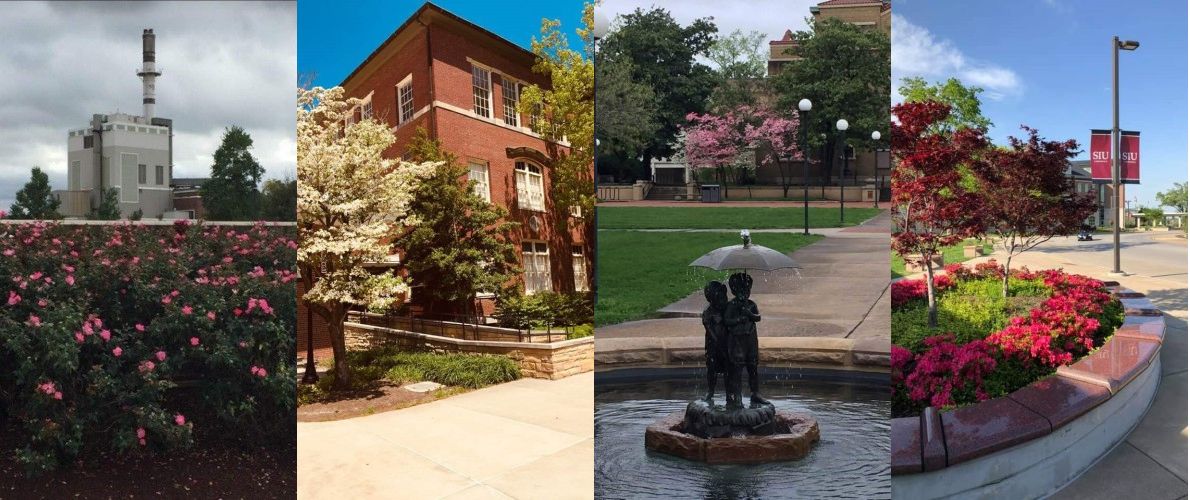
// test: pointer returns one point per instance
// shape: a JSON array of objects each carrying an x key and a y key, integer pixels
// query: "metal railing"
[{"x": 464, "y": 327}]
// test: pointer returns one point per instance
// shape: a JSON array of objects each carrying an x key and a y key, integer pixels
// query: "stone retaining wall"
[
  {"x": 776, "y": 352},
  {"x": 553, "y": 360},
  {"x": 1037, "y": 439}
]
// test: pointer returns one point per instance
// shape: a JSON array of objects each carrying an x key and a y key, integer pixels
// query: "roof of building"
[
  {"x": 188, "y": 181},
  {"x": 430, "y": 7},
  {"x": 885, "y": 4},
  {"x": 1080, "y": 169}
]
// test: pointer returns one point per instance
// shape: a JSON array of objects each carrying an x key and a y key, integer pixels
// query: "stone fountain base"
[{"x": 745, "y": 436}]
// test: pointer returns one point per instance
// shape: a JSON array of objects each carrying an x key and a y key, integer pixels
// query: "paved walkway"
[
  {"x": 729, "y": 203},
  {"x": 840, "y": 292},
  {"x": 526, "y": 439},
  {"x": 1153, "y": 456}
]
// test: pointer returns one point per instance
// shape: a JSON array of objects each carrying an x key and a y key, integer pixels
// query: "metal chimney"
[{"x": 149, "y": 73}]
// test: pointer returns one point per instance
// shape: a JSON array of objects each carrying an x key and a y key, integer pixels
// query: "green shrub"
[
  {"x": 543, "y": 309},
  {"x": 581, "y": 331},
  {"x": 454, "y": 369}
]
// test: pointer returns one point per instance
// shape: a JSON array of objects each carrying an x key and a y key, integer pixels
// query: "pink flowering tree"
[{"x": 725, "y": 142}]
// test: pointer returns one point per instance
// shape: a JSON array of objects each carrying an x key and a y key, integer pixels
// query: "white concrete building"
[{"x": 131, "y": 154}]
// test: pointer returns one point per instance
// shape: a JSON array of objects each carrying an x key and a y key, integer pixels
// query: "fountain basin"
[{"x": 793, "y": 436}]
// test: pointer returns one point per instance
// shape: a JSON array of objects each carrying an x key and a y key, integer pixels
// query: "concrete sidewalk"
[
  {"x": 1154, "y": 453},
  {"x": 526, "y": 439},
  {"x": 841, "y": 291}
]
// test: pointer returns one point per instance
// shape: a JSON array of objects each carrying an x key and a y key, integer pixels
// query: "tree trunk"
[
  {"x": 334, "y": 323},
  {"x": 931, "y": 298},
  {"x": 1007, "y": 271}
]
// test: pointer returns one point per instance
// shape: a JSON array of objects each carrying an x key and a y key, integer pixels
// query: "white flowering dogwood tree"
[{"x": 352, "y": 202}]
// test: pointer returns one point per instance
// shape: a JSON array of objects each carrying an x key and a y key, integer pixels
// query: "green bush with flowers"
[{"x": 104, "y": 325}]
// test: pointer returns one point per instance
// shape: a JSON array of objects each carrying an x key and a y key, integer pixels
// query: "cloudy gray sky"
[
  {"x": 771, "y": 17},
  {"x": 222, "y": 64}
]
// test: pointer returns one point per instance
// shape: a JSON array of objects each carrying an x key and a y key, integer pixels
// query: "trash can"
[{"x": 710, "y": 193}]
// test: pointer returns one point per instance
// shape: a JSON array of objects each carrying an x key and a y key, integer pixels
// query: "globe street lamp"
[
  {"x": 1116, "y": 46},
  {"x": 803, "y": 108},
  {"x": 876, "y": 196},
  {"x": 841, "y": 125}
]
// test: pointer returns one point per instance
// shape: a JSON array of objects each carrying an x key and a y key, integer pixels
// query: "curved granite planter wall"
[{"x": 1034, "y": 441}]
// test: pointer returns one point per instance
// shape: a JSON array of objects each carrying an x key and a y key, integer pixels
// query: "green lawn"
[
  {"x": 950, "y": 255},
  {"x": 725, "y": 217},
  {"x": 641, "y": 272}
]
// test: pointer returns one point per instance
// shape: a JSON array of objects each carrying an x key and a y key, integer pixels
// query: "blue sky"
[
  {"x": 334, "y": 37},
  {"x": 1047, "y": 64}
]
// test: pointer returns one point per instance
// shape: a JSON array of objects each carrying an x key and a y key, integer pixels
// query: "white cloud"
[
  {"x": 916, "y": 52},
  {"x": 223, "y": 64}
]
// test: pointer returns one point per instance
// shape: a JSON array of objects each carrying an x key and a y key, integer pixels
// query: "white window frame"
[
  {"x": 578, "y": 263},
  {"x": 365, "y": 108},
  {"x": 405, "y": 109},
  {"x": 481, "y": 102},
  {"x": 535, "y": 259},
  {"x": 530, "y": 196},
  {"x": 483, "y": 186},
  {"x": 510, "y": 100}
]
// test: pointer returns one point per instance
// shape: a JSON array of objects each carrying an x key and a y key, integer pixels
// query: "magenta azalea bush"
[
  {"x": 944, "y": 371},
  {"x": 103, "y": 324}
]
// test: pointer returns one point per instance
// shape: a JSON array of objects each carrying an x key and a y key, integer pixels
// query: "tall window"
[
  {"x": 160, "y": 175},
  {"x": 512, "y": 95},
  {"x": 366, "y": 110},
  {"x": 580, "y": 268},
  {"x": 479, "y": 174},
  {"x": 405, "y": 100},
  {"x": 530, "y": 188},
  {"x": 481, "y": 84},
  {"x": 141, "y": 175},
  {"x": 535, "y": 117},
  {"x": 535, "y": 257}
]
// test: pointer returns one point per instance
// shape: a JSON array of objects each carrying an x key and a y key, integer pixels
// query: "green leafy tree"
[
  {"x": 663, "y": 55},
  {"x": 844, "y": 70},
  {"x": 1175, "y": 197},
  {"x": 1152, "y": 215},
  {"x": 109, "y": 205},
  {"x": 36, "y": 200},
  {"x": 739, "y": 63},
  {"x": 459, "y": 243},
  {"x": 628, "y": 118},
  {"x": 963, "y": 100},
  {"x": 278, "y": 200},
  {"x": 231, "y": 192},
  {"x": 567, "y": 111}
]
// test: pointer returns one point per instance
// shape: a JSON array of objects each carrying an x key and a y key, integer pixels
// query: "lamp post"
[
  {"x": 875, "y": 167},
  {"x": 1116, "y": 45},
  {"x": 841, "y": 125},
  {"x": 803, "y": 108}
]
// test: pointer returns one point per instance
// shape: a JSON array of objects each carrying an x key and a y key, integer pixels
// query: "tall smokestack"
[{"x": 149, "y": 73}]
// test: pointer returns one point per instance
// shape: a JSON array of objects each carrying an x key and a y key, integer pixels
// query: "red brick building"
[{"x": 462, "y": 83}]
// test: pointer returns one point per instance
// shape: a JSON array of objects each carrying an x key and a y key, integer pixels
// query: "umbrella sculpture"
[{"x": 746, "y": 256}]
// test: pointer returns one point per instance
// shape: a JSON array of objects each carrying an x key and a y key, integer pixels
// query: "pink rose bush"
[
  {"x": 99, "y": 336},
  {"x": 1073, "y": 320}
]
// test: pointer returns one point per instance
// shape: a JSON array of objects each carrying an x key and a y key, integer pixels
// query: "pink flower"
[
  {"x": 105, "y": 335},
  {"x": 78, "y": 337},
  {"x": 117, "y": 351},
  {"x": 34, "y": 321},
  {"x": 139, "y": 327},
  {"x": 187, "y": 310},
  {"x": 262, "y": 373},
  {"x": 42, "y": 303},
  {"x": 211, "y": 315},
  {"x": 166, "y": 299},
  {"x": 160, "y": 355},
  {"x": 146, "y": 366},
  {"x": 35, "y": 276},
  {"x": 194, "y": 341},
  {"x": 174, "y": 293},
  {"x": 140, "y": 433},
  {"x": 179, "y": 419},
  {"x": 243, "y": 344},
  {"x": 238, "y": 312},
  {"x": 58, "y": 395},
  {"x": 13, "y": 298},
  {"x": 70, "y": 279}
]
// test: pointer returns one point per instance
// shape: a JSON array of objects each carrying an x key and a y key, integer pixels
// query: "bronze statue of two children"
[{"x": 731, "y": 343}]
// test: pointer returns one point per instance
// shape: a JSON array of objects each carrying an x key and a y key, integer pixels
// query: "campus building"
[
  {"x": 130, "y": 154},
  {"x": 461, "y": 83},
  {"x": 1104, "y": 215}
]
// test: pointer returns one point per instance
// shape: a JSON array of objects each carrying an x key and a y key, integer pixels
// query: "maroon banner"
[{"x": 1101, "y": 156}]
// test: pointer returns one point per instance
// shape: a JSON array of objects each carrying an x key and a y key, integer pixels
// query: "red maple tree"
[
  {"x": 934, "y": 205},
  {"x": 1028, "y": 196}
]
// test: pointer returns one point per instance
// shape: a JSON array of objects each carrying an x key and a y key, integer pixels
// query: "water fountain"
[{"x": 733, "y": 432}]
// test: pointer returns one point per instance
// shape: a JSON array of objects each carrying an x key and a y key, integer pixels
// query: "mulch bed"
[{"x": 381, "y": 397}]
